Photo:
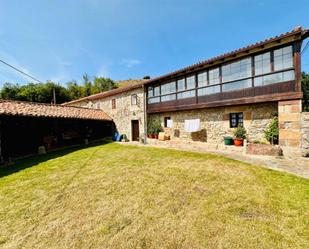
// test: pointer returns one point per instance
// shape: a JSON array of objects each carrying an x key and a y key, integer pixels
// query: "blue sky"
[{"x": 61, "y": 40}]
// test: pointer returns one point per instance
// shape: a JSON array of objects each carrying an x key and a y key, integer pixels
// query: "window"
[
  {"x": 154, "y": 100},
  {"x": 181, "y": 85},
  {"x": 241, "y": 84},
  {"x": 165, "y": 121},
  {"x": 113, "y": 103},
  {"x": 134, "y": 99},
  {"x": 208, "y": 90},
  {"x": 168, "y": 97},
  {"x": 202, "y": 79},
  {"x": 190, "y": 82},
  {"x": 98, "y": 105},
  {"x": 262, "y": 63},
  {"x": 237, "y": 70},
  {"x": 274, "y": 78},
  {"x": 156, "y": 91},
  {"x": 236, "y": 119},
  {"x": 283, "y": 58},
  {"x": 214, "y": 76},
  {"x": 168, "y": 88},
  {"x": 150, "y": 91}
]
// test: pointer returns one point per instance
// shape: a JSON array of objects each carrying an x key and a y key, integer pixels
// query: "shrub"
[
  {"x": 272, "y": 131},
  {"x": 154, "y": 126},
  {"x": 240, "y": 132}
]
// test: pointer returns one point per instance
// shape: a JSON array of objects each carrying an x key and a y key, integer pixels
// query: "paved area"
[{"x": 297, "y": 166}]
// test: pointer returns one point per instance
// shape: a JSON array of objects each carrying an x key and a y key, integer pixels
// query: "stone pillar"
[{"x": 289, "y": 114}]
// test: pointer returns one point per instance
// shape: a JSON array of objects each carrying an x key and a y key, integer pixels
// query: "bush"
[
  {"x": 154, "y": 126},
  {"x": 272, "y": 131},
  {"x": 240, "y": 132}
]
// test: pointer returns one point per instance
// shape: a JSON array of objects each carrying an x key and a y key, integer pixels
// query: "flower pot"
[
  {"x": 238, "y": 141},
  {"x": 228, "y": 140},
  {"x": 150, "y": 135},
  {"x": 156, "y": 136}
]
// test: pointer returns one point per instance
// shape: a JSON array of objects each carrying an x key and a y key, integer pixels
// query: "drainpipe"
[{"x": 145, "y": 115}]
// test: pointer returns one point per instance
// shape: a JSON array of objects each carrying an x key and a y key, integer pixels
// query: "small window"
[
  {"x": 236, "y": 119},
  {"x": 165, "y": 121},
  {"x": 113, "y": 103},
  {"x": 98, "y": 105},
  {"x": 134, "y": 99}
]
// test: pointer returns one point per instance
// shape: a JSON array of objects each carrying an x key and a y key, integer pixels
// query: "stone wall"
[
  {"x": 215, "y": 122},
  {"x": 124, "y": 112},
  {"x": 305, "y": 133},
  {"x": 289, "y": 117}
]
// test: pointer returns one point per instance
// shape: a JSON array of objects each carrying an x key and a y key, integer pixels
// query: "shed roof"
[{"x": 31, "y": 109}]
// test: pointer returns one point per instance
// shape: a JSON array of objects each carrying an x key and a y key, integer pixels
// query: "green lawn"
[{"x": 116, "y": 196}]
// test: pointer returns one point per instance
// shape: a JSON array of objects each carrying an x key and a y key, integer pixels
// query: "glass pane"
[
  {"x": 202, "y": 79},
  {"x": 168, "y": 88},
  {"x": 150, "y": 91},
  {"x": 274, "y": 78},
  {"x": 208, "y": 90},
  {"x": 283, "y": 58},
  {"x": 181, "y": 84},
  {"x": 237, "y": 85},
  {"x": 289, "y": 75},
  {"x": 153, "y": 100},
  {"x": 262, "y": 63},
  {"x": 236, "y": 70},
  {"x": 191, "y": 82},
  {"x": 168, "y": 97},
  {"x": 157, "y": 91},
  {"x": 187, "y": 94},
  {"x": 214, "y": 76}
]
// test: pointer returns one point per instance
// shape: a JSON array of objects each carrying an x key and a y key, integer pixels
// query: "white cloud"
[{"x": 130, "y": 62}]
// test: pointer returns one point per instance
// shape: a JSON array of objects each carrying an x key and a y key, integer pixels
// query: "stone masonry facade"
[
  {"x": 305, "y": 133},
  {"x": 290, "y": 127},
  {"x": 215, "y": 122},
  {"x": 124, "y": 111}
]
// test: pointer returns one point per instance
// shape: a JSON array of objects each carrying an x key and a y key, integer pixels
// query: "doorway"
[{"x": 135, "y": 130}]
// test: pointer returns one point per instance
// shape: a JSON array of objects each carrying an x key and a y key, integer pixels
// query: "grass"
[{"x": 116, "y": 196}]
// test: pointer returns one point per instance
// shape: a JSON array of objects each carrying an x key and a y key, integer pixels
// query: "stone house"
[
  {"x": 124, "y": 105},
  {"x": 245, "y": 87}
]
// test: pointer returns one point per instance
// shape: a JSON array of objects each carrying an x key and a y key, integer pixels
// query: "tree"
[
  {"x": 305, "y": 89},
  {"x": 146, "y": 77},
  {"x": 75, "y": 91},
  {"x": 101, "y": 84},
  {"x": 87, "y": 85},
  {"x": 9, "y": 91}
]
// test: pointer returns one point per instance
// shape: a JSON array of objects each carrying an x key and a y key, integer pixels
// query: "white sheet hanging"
[
  {"x": 192, "y": 125},
  {"x": 169, "y": 123}
]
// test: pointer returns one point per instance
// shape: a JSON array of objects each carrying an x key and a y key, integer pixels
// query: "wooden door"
[{"x": 135, "y": 130}]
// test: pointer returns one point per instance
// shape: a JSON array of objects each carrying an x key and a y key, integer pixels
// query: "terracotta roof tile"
[{"x": 31, "y": 109}]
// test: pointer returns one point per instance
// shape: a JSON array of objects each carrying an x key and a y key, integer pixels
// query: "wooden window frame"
[
  {"x": 238, "y": 123},
  {"x": 113, "y": 103},
  {"x": 165, "y": 121},
  {"x": 134, "y": 95}
]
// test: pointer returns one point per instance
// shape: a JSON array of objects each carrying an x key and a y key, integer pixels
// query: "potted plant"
[
  {"x": 240, "y": 135},
  {"x": 156, "y": 128},
  {"x": 150, "y": 130},
  {"x": 272, "y": 131}
]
